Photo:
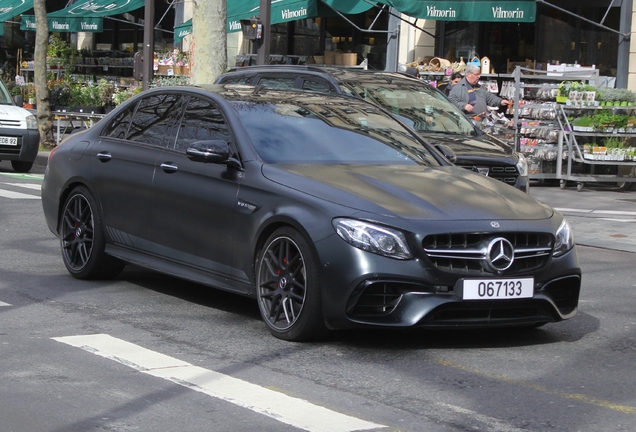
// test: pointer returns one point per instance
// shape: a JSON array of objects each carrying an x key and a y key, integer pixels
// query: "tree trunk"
[
  {"x": 208, "y": 55},
  {"x": 45, "y": 118}
]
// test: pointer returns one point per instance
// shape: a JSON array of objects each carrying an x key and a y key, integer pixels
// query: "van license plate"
[{"x": 12, "y": 141}]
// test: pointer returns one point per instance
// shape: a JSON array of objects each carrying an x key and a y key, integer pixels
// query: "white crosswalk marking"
[
  {"x": 33, "y": 186},
  {"x": 286, "y": 409},
  {"x": 4, "y": 193}
]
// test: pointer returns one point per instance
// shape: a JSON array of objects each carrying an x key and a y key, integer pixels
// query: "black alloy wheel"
[
  {"x": 82, "y": 240},
  {"x": 287, "y": 287}
]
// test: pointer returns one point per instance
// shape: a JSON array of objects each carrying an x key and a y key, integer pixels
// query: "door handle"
[
  {"x": 169, "y": 167},
  {"x": 104, "y": 156}
]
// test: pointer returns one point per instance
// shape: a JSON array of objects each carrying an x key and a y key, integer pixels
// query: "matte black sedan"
[{"x": 325, "y": 209}]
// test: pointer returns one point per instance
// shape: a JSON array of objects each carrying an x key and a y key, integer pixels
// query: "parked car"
[
  {"x": 19, "y": 134},
  {"x": 327, "y": 210},
  {"x": 424, "y": 107}
]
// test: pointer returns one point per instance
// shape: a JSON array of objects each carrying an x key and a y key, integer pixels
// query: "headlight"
[
  {"x": 522, "y": 165},
  {"x": 564, "y": 239},
  {"x": 373, "y": 238},
  {"x": 31, "y": 122}
]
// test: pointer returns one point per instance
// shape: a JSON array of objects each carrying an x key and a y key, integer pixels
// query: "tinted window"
[
  {"x": 236, "y": 80},
  {"x": 202, "y": 121},
  {"x": 278, "y": 83},
  {"x": 330, "y": 133},
  {"x": 423, "y": 108},
  {"x": 118, "y": 127},
  {"x": 317, "y": 86},
  {"x": 157, "y": 119}
]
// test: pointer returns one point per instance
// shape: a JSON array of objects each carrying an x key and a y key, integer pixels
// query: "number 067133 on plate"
[{"x": 489, "y": 289}]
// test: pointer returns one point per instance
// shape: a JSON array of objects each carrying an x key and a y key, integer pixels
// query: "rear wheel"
[
  {"x": 288, "y": 288},
  {"x": 82, "y": 239},
  {"x": 21, "y": 166}
]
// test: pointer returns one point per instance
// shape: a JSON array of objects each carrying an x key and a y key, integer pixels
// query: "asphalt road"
[{"x": 146, "y": 352}]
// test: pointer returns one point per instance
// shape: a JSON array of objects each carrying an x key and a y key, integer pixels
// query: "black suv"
[{"x": 420, "y": 105}]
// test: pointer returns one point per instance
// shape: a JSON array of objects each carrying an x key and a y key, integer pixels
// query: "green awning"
[
  {"x": 350, "y": 7},
  {"x": 290, "y": 10},
  {"x": 182, "y": 30},
  {"x": 282, "y": 11},
  {"x": 66, "y": 24},
  {"x": 467, "y": 10},
  {"x": 13, "y": 8},
  {"x": 99, "y": 8}
]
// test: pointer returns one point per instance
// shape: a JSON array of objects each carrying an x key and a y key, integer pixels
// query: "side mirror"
[
  {"x": 17, "y": 99},
  {"x": 209, "y": 151},
  {"x": 447, "y": 152}
]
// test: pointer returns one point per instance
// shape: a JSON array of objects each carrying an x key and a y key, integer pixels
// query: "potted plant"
[
  {"x": 106, "y": 90},
  {"x": 583, "y": 124},
  {"x": 59, "y": 95}
]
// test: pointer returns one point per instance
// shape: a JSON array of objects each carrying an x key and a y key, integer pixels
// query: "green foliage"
[
  {"x": 614, "y": 142},
  {"x": 584, "y": 121},
  {"x": 606, "y": 118},
  {"x": 123, "y": 94}
]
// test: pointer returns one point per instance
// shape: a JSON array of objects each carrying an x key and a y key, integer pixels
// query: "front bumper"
[
  {"x": 376, "y": 291},
  {"x": 27, "y": 148}
]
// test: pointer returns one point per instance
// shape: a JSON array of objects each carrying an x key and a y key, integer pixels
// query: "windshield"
[
  {"x": 5, "y": 97},
  {"x": 339, "y": 132},
  {"x": 423, "y": 108}
]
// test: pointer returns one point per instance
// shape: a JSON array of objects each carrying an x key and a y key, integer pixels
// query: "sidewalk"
[{"x": 600, "y": 216}]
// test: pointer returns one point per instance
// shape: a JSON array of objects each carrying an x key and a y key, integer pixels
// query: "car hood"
[
  {"x": 472, "y": 148},
  {"x": 411, "y": 192},
  {"x": 12, "y": 112}
]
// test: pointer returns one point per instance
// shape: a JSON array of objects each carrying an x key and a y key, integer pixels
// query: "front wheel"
[
  {"x": 287, "y": 287},
  {"x": 21, "y": 166},
  {"x": 82, "y": 239}
]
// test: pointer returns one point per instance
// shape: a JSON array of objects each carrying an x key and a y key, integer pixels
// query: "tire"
[
  {"x": 82, "y": 239},
  {"x": 288, "y": 289},
  {"x": 21, "y": 166}
]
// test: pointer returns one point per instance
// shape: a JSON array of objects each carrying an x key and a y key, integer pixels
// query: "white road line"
[
  {"x": 33, "y": 186},
  {"x": 4, "y": 304},
  {"x": 16, "y": 195},
  {"x": 588, "y": 211},
  {"x": 286, "y": 409},
  {"x": 571, "y": 210}
]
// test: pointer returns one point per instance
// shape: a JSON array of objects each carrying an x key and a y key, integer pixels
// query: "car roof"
[{"x": 336, "y": 74}]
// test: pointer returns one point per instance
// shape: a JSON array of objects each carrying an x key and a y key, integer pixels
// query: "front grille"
[
  {"x": 506, "y": 174},
  {"x": 10, "y": 123},
  {"x": 466, "y": 253}
]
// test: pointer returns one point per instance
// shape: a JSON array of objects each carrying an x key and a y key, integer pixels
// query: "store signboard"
[
  {"x": 99, "y": 8},
  {"x": 282, "y": 11},
  {"x": 182, "y": 30},
  {"x": 468, "y": 10},
  {"x": 65, "y": 24}
]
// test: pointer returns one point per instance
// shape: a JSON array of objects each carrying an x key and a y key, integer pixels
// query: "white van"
[{"x": 19, "y": 135}]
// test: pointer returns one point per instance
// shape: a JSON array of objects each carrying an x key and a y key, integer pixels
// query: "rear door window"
[
  {"x": 157, "y": 119},
  {"x": 202, "y": 121}
]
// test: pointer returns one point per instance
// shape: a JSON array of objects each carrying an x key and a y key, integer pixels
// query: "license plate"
[
  {"x": 489, "y": 289},
  {"x": 13, "y": 141}
]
